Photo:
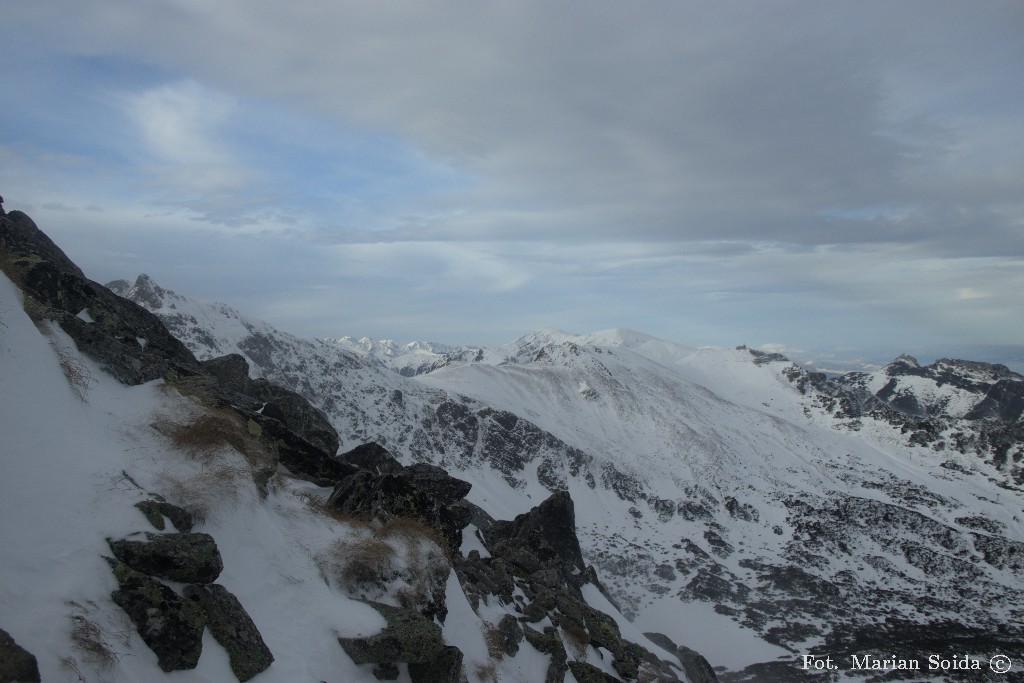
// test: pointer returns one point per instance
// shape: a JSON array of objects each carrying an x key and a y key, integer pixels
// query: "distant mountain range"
[{"x": 732, "y": 499}]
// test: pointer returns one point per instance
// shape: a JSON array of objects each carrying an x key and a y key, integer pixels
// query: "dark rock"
[
  {"x": 303, "y": 437},
  {"x": 549, "y": 643},
  {"x": 546, "y": 533},
  {"x": 661, "y": 640},
  {"x": 408, "y": 637},
  {"x": 421, "y": 491},
  {"x": 156, "y": 510},
  {"x": 17, "y": 665},
  {"x": 386, "y": 671},
  {"x": 170, "y": 625},
  {"x": 233, "y": 628},
  {"x": 588, "y": 673},
  {"x": 483, "y": 576},
  {"x": 719, "y": 546},
  {"x": 299, "y": 455},
  {"x": 511, "y": 633},
  {"x": 692, "y": 510},
  {"x": 129, "y": 341},
  {"x": 743, "y": 511},
  {"x": 373, "y": 457},
  {"x": 184, "y": 557},
  {"x": 696, "y": 668},
  {"x": 478, "y": 517},
  {"x": 300, "y": 417}
]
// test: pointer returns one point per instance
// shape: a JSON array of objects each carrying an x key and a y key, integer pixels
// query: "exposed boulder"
[
  {"x": 17, "y": 665},
  {"x": 484, "y": 576},
  {"x": 551, "y": 644},
  {"x": 302, "y": 436},
  {"x": 411, "y": 638},
  {"x": 260, "y": 396},
  {"x": 170, "y": 625},
  {"x": 696, "y": 668},
  {"x": 233, "y": 628},
  {"x": 372, "y": 457},
  {"x": 588, "y": 673},
  {"x": 156, "y": 510},
  {"x": 511, "y": 633},
  {"x": 184, "y": 557},
  {"x": 421, "y": 491},
  {"x": 542, "y": 538},
  {"x": 538, "y": 553}
]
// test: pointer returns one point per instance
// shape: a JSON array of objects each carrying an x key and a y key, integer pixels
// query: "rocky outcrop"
[
  {"x": 543, "y": 538},
  {"x": 184, "y": 557},
  {"x": 135, "y": 347},
  {"x": 588, "y": 673},
  {"x": 129, "y": 341},
  {"x": 372, "y": 457},
  {"x": 170, "y": 625},
  {"x": 421, "y": 491},
  {"x": 17, "y": 665},
  {"x": 286, "y": 407},
  {"x": 951, "y": 405},
  {"x": 550, "y": 643},
  {"x": 409, "y": 638},
  {"x": 299, "y": 434},
  {"x": 697, "y": 669},
  {"x": 538, "y": 554},
  {"x": 234, "y": 629},
  {"x": 156, "y": 510}
]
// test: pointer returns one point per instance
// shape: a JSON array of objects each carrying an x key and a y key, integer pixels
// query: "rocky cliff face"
[{"x": 951, "y": 406}]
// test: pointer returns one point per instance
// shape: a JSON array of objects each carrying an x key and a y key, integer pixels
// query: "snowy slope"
[
  {"x": 719, "y": 487},
  {"x": 754, "y": 500},
  {"x": 79, "y": 450}
]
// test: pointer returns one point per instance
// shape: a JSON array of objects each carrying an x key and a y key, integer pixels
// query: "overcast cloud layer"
[{"x": 837, "y": 180}]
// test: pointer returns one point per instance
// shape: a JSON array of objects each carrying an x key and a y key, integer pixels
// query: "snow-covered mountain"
[
  {"x": 409, "y": 359},
  {"x": 277, "y": 558},
  {"x": 734, "y": 501}
]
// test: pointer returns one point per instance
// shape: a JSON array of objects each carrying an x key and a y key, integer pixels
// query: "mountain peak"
[{"x": 906, "y": 359}]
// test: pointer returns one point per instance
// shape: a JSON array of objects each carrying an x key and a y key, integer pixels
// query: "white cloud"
[
  {"x": 794, "y": 172},
  {"x": 971, "y": 294},
  {"x": 178, "y": 122}
]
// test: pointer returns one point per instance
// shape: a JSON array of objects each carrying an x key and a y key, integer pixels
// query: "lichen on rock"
[
  {"x": 233, "y": 628},
  {"x": 170, "y": 625},
  {"x": 184, "y": 557},
  {"x": 409, "y": 638}
]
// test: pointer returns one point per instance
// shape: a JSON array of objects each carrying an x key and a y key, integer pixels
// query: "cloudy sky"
[{"x": 834, "y": 180}]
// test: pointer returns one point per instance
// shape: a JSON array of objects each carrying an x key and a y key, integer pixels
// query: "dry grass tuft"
[
  {"x": 577, "y": 639},
  {"x": 207, "y": 433},
  {"x": 487, "y": 672},
  {"x": 366, "y": 562},
  {"x": 71, "y": 664},
  {"x": 91, "y": 641},
  {"x": 495, "y": 640},
  {"x": 215, "y": 483},
  {"x": 399, "y": 560},
  {"x": 79, "y": 378},
  {"x": 215, "y": 438},
  {"x": 411, "y": 529}
]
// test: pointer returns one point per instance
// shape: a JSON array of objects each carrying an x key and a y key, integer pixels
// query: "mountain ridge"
[
  {"x": 375, "y": 580},
  {"x": 742, "y": 481}
]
